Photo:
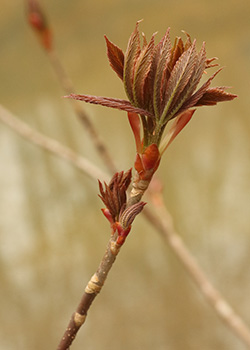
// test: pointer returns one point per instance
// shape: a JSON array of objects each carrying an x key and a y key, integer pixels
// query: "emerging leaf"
[
  {"x": 116, "y": 57},
  {"x": 179, "y": 78},
  {"x": 110, "y": 102},
  {"x": 114, "y": 195},
  {"x": 131, "y": 55},
  {"x": 214, "y": 95},
  {"x": 141, "y": 71}
]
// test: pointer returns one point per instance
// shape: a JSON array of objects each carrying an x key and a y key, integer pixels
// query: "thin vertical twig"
[{"x": 37, "y": 20}]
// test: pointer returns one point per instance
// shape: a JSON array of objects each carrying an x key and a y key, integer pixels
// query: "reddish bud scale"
[
  {"x": 122, "y": 233},
  {"x": 38, "y": 22},
  {"x": 135, "y": 124},
  {"x": 150, "y": 157},
  {"x": 116, "y": 226},
  {"x": 107, "y": 214},
  {"x": 147, "y": 163}
]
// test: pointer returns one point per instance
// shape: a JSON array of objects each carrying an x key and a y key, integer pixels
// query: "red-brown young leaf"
[
  {"x": 214, "y": 95},
  {"x": 193, "y": 100},
  {"x": 179, "y": 77},
  {"x": 177, "y": 51},
  {"x": 110, "y": 102},
  {"x": 191, "y": 84},
  {"x": 160, "y": 68},
  {"x": 131, "y": 55},
  {"x": 142, "y": 68},
  {"x": 188, "y": 42},
  {"x": 116, "y": 57},
  {"x": 113, "y": 195},
  {"x": 199, "y": 68}
]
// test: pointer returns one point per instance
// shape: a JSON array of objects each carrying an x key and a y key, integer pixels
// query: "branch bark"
[{"x": 93, "y": 287}]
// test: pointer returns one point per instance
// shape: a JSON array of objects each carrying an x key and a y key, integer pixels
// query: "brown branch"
[
  {"x": 162, "y": 221},
  {"x": 93, "y": 287},
  {"x": 51, "y": 145}
]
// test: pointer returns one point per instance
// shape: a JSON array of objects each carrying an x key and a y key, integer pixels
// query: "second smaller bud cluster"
[{"x": 119, "y": 214}]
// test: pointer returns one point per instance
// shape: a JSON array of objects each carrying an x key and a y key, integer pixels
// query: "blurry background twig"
[
  {"x": 162, "y": 220},
  {"x": 39, "y": 23},
  {"x": 51, "y": 145}
]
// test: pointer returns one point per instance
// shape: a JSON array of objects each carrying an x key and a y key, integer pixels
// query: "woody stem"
[
  {"x": 139, "y": 187},
  {"x": 93, "y": 287}
]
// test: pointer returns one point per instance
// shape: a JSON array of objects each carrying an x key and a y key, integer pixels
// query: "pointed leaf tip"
[
  {"x": 214, "y": 95},
  {"x": 116, "y": 57}
]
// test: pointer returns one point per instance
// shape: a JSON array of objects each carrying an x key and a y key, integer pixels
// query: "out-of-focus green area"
[{"x": 52, "y": 233}]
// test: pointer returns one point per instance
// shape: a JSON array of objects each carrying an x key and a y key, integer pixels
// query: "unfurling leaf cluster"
[
  {"x": 162, "y": 82},
  {"x": 117, "y": 211}
]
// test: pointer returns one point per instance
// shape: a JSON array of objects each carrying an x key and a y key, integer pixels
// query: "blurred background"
[{"x": 52, "y": 232}]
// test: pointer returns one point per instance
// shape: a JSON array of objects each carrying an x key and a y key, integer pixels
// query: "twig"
[
  {"x": 36, "y": 17},
  {"x": 93, "y": 287},
  {"x": 162, "y": 220},
  {"x": 45, "y": 142}
]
